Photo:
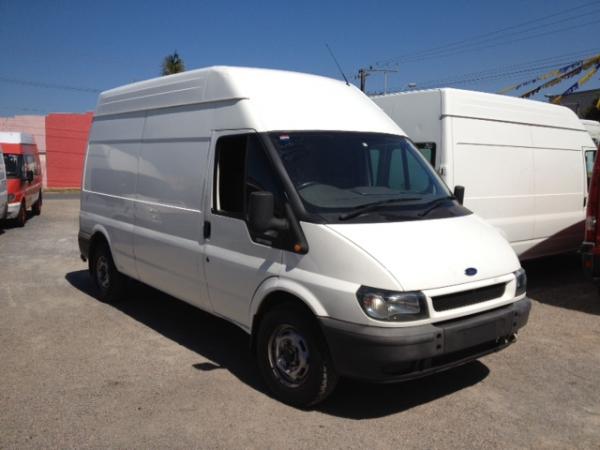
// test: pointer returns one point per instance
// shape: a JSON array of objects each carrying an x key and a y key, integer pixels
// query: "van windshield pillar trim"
[{"x": 290, "y": 190}]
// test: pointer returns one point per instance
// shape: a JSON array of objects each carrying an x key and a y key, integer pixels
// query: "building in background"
[
  {"x": 580, "y": 102},
  {"x": 66, "y": 141},
  {"x": 61, "y": 139}
]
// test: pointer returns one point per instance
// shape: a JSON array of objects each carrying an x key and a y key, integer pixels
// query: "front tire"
[
  {"x": 293, "y": 358},
  {"x": 21, "y": 218},
  {"x": 37, "y": 206},
  {"x": 109, "y": 281}
]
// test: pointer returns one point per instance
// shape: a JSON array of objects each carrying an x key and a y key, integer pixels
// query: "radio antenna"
[{"x": 337, "y": 64}]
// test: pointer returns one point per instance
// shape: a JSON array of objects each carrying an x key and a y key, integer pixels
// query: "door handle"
[{"x": 206, "y": 229}]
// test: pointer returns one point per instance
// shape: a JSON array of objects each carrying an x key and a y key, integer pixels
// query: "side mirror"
[
  {"x": 459, "y": 193},
  {"x": 261, "y": 215}
]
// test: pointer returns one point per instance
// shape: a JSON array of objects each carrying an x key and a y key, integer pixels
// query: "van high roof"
[
  {"x": 15, "y": 137},
  {"x": 263, "y": 99},
  {"x": 483, "y": 105}
]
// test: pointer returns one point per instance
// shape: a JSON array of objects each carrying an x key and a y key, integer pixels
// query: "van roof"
[
  {"x": 483, "y": 105},
  {"x": 15, "y": 137},
  {"x": 269, "y": 99}
]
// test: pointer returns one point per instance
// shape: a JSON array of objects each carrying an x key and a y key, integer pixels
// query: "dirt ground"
[{"x": 153, "y": 372}]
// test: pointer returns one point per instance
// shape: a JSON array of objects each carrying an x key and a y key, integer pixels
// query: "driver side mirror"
[
  {"x": 261, "y": 213},
  {"x": 459, "y": 193}
]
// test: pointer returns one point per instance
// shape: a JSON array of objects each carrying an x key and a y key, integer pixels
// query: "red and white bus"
[{"x": 23, "y": 175}]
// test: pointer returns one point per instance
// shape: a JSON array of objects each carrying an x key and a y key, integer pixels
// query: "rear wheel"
[
  {"x": 109, "y": 281},
  {"x": 37, "y": 206},
  {"x": 293, "y": 357},
  {"x": 21, "y": 218}
]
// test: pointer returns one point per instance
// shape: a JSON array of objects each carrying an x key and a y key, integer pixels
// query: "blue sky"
[{"x": 103, "y": 44}]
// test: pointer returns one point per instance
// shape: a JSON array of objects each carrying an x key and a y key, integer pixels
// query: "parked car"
[
  {"x": 23, "y": 174},
  {"x": 522, "y": 162},
  {"x": 292, "y": 206},
  {"x": 3, "y": 191}
]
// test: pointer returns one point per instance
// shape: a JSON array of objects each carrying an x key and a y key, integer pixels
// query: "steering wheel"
[{"x": 306, "y": 184}]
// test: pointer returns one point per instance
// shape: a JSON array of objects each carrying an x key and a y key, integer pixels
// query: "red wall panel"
[{"x": 66, "y": 142}]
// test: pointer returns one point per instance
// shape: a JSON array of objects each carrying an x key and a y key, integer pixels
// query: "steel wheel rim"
[
  {"x": 289, "y": 357},
  {"x": 102, "y": 275}
]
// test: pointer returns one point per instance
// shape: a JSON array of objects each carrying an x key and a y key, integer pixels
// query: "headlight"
[
  {"x": 521, "y": 282},
  {"x": 11, "y": 198},
  {"x": 392, "y": 306}
]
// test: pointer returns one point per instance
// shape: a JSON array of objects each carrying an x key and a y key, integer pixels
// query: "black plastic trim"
[
  {"x": 84, "y": 245},
  {"x": 386, "y": 354}
]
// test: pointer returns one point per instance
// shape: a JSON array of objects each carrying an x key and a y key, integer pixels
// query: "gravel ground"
[{"x": 153, "y": 372}]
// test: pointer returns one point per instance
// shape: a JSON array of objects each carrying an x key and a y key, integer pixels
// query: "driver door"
[{"x": 236, "y": 263}]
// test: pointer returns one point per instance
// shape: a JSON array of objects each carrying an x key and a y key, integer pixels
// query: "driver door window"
[{"x": 242, "y": 167}]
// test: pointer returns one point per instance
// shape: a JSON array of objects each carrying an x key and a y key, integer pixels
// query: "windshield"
[
  {"x": 340, "y": 172},
  {"x": 13, "y": 165}
]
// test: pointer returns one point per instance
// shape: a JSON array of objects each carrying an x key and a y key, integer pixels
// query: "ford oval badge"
[{"x": 470, "y": 271}]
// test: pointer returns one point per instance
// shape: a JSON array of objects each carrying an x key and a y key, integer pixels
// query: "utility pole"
[{"x": 364, "y": 73}]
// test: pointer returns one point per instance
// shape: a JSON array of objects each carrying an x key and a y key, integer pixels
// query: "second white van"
[
  {"x": 525, "y": 164},
  {"x": 292, "y": 206},
  {"x": 593, "y": 127}
]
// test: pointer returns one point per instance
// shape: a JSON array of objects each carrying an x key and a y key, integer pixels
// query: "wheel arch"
[
  {"x": 98, "y": 235},
  {"x": 274, "y": 292}
]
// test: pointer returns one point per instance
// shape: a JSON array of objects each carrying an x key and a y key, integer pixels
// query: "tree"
[
  {"x": 593, "y": 113},
  {"x": 172, "y": 64}
]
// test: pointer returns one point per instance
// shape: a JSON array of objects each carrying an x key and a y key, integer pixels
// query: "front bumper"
[
  {"x": 13, "y": 210},
  {"x": 395, "y": 354}
]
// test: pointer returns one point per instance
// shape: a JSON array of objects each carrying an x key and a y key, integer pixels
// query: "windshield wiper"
[
  {"x": 363, "y": 209},
  {"x": 436, "y": 203}
]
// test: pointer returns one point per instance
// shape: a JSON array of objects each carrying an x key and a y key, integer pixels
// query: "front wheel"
[
  {"x": 109, "y": 281},
  {"x": 37, "y": 206},
  {"x": 21, "y": 218},
  {"x": 293, "y": 357}
]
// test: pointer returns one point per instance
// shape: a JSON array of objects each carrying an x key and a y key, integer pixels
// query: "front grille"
[{"x": 465, "y": 298}]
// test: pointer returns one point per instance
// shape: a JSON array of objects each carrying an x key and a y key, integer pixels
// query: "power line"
[
  {"x": 530, "y": 66},
  {"x": 44, "y": 85},
  {"x": 495, "y": 42},
  {"x": 477, "y": 38},
  {"x": 510, "y": 41}
]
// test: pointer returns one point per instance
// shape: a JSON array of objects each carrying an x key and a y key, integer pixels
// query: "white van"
[
  {"x": 292, "y": 206},
  {"x": 523, "y": 162},
  {"x": 3, "y": 189},
  {"x": 593, "y": 127}
]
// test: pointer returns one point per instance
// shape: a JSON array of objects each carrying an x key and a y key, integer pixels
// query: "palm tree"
[{"x": 172, "y": 64}]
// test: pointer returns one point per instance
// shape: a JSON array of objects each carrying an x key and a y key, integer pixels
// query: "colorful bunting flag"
[
  {"x": 584, "y": 79},
  {"x": 552, "y": 73},
  {"x": 571, "y": 73}
]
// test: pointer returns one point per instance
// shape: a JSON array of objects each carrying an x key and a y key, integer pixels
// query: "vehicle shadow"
[
  {"x": 559, "y": 281},
  {"x": 9, "y": 224},
  {"x": 227, "y": 347}
]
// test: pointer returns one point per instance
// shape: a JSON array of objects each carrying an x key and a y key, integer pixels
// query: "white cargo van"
[
  {"x": 522, "y": 162},
  {"x": 593, "y": 127},
  {"x": 3, "y": 189},
  {"x": 292, "y": 206}
]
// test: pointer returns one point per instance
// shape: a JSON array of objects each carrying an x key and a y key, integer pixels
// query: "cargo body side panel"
[
  {"x": 108, "y": 196},
  {"x": 172, "y": 165}
]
